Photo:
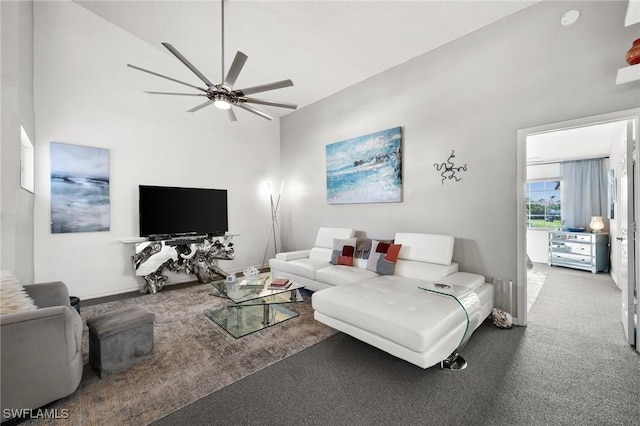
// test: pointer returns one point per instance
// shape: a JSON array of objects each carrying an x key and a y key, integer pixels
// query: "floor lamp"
[{"x": 274, "y": 222}]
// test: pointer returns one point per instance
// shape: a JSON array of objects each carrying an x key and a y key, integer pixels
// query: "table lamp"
[{"x": 596, "y": 224}]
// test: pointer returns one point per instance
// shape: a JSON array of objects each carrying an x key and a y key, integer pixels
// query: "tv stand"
[
  {"x": 179, "y": 240},
  {"x": 159, "y": 237},
  {"x": 197, "y": 254}
]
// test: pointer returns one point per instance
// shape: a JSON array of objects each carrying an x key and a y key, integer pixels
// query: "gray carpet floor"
[{"x": 569, "y": 366}]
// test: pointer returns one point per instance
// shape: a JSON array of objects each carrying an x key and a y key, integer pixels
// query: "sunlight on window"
[
  {"x": 543, "y": 204},
  {"x": 26, "y": 162}
]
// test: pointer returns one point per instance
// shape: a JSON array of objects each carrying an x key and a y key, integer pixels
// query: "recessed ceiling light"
[{"x": 570, "y": 18}]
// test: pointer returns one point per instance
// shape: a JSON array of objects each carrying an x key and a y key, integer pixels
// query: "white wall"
[
  {"x": 16, "y": 204},
  {"x": 471, "y": 95},
  {"x": 86, "y": 95}
]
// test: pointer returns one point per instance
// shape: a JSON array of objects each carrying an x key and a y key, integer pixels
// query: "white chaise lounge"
[{"x": 404, "y": 314}]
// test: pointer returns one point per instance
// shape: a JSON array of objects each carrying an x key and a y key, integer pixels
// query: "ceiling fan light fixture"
[
  {"x": 222, "y": 95},
  {"x": 221, "y": 102}
]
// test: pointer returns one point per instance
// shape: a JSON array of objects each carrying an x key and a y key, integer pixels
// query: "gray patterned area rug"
[{"x": 192, "y": 358}]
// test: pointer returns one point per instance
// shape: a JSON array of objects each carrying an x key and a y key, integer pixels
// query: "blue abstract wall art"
[
  {"x": 79, "y": 188},
  {"x": 366, "y": 169}
]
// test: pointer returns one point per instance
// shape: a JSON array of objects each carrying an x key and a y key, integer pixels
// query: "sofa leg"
[{"x": 454, "y": 362}]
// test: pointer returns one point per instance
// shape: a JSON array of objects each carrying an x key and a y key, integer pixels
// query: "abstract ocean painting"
[
  {"x": 79, "y": 188},
  {"x": 366, "y": 169}
]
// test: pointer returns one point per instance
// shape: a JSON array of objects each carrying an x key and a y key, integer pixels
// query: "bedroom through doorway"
[{"x": 541, "y": 151}]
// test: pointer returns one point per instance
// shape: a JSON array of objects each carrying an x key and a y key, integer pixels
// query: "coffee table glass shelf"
[{"x": 253, "y": 306}]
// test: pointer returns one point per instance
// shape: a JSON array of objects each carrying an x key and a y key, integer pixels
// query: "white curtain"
[{"x": 583, "y": 192}]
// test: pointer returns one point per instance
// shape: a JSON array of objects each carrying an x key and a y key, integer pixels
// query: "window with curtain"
[
  {"x": 584, "y": 191},
  {"x": 543, "y": 207}
]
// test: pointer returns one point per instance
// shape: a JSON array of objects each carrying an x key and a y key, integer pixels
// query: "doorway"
[{"x": 525, "y": 135}]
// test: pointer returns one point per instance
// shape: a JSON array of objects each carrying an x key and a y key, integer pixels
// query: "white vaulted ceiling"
[{"x": 323, "y": 46}]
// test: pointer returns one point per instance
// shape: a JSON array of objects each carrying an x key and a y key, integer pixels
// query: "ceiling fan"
[{"x": 223, "y": 95}]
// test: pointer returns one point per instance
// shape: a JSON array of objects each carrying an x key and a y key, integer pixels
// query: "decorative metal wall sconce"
[{"x": 448, "y": 170}]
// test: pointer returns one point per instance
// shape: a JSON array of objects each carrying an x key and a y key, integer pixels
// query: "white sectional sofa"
[
  {"x": 423, "y": 313},
  {"x": 311, "y": 267}
]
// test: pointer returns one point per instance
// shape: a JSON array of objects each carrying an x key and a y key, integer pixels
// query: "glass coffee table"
[{"x": 252, "y": 307}]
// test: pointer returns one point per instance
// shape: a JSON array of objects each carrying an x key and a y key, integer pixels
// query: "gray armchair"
[{"x": 41, "y": 350}]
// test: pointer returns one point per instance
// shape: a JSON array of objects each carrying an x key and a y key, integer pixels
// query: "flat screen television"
[{"x": 167, "y": 210}]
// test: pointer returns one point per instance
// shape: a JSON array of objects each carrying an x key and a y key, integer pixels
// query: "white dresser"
[{"x": 579, "y": 250}]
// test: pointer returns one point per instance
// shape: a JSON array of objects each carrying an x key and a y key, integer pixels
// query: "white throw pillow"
[{"x": 13, "y": 297}]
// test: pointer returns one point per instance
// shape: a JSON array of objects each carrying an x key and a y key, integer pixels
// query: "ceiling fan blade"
[
  {"x": 234, "y": 71},
  {"x": 164, "y": 76},
  {"x": 232, "y": 115},
  {"x": 264, "y": 87},
  {"x": 187, "y": 63},
  {"x": 254, "y": 110},
  {"x": 196, "y": 108},
  {"x": 270, "y": 103},
  {"x": 172, "y": 93}
]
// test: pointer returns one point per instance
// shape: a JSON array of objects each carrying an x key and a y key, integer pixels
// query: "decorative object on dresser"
[{"x": 579, "y": 250}]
